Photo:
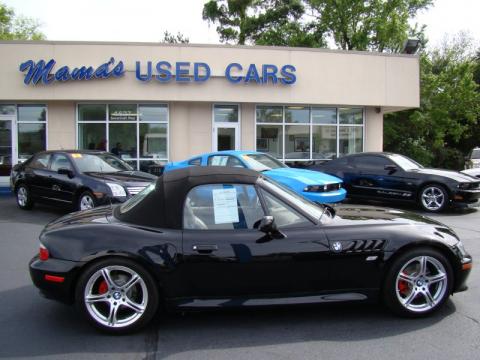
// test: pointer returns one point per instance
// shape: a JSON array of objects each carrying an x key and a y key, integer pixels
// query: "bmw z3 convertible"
[{"x": 213, "y": 237}]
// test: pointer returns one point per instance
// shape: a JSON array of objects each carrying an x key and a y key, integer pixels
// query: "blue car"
[{"x": 314, "y": 185}]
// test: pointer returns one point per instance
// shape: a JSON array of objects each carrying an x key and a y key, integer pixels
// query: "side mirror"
[
  {"x": 64, "y": 171},
  {"x": 390, "y": 168},
  {"x": 267, "y": 225}
]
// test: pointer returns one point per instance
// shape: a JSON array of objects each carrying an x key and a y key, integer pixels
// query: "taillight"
[{"x": 43, "y": 254}]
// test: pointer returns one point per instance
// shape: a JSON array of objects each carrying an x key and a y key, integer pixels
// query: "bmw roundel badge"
[{"x": 337, "y": 246}]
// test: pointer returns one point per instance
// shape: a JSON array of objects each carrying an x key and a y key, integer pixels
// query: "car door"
[
  {"x": 61, "y": 187},
  {"x": 37, "y": 175},
  {"x": 225, "y": 255}
]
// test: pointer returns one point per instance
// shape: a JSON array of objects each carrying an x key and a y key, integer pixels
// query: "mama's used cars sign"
[{"x": 162, "y": 71}]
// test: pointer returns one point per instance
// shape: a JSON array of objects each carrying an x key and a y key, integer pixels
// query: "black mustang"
[
  {"x": 394, "y": 177},
  {"x": 82, "y": 179},
  {"x": 216, "y": 237}
]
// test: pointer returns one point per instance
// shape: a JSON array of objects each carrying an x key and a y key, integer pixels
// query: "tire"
[
  {"x": 86, "y": 201},
  {"x": 116, "y": 306},
  {"x": 433, "y": 198},
  {"x": 24, "y": 198},
  {"x": 411, "y": 291}
]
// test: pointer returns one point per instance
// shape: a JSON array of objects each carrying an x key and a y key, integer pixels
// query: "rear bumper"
[
  {"x": 326, "y": 197},
  {"x": 55, "y": 270}
]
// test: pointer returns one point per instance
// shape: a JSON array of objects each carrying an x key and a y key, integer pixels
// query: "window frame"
[
  {"x": 137, "y": 123},
  {"x": 337, "y": 125}
]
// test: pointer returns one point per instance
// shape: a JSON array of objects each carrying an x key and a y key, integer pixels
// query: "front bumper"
[
  {"x": 466, "y": 196},
  {"x": 326, "y": 197},
  {"x": 62, "y": 291},
  {"x": 461, "y": 274}
]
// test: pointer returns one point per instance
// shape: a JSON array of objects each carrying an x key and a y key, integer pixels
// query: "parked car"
[
  {"x": 475, "y": 172},
  {"x": 393, "y": 177},
  {"x": 78, "y": 178},
  {"x": 211, "y": 237},
  {"x": 473, "y": 159},
  {"x": 313, "y": 185}
]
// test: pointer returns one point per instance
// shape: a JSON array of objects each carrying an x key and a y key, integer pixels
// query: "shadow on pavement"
[{"x": 55, "y": 329}]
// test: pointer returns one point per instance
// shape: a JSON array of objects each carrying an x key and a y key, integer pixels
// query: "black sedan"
[
  {"x": 214, "y": 237},
  {"x": 76, "y": 178},
  {"x": 393, "y": 177}
]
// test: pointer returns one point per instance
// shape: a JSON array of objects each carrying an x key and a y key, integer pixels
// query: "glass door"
[
  {"x": 7, "y": 152},
  {"x": 226, "y": 127}
]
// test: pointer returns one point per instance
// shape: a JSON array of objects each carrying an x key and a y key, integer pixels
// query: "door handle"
[{"x": 205, "y": 249}]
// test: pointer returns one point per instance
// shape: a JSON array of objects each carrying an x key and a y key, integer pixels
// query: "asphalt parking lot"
[{"x": 33, "y": 327}]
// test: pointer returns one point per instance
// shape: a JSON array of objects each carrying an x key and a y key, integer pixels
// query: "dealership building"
[{"x": 152, "y": 103}]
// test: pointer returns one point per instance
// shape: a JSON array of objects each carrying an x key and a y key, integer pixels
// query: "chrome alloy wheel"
[
  {"x": 421, "y": 284},
  {"x": 116, "y": 296},
  {"x": 432, "y": 198},
  {"x": 22, "y": 196},
  {"x": 86, "y": 202}
]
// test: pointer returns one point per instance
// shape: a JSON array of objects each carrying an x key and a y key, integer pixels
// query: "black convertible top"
[{"x": 163, "y": 207}]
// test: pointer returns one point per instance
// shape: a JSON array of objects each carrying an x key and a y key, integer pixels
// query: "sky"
[{"x": 146, "y": 20}]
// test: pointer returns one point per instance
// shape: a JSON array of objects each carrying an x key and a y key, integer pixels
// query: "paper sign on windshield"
[{"x": 225, "y": 206}]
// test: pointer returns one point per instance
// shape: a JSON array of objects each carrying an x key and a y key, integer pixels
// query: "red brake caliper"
[
  {"x": 403, "y": 287},
  {"x": 103, "y": 287}
]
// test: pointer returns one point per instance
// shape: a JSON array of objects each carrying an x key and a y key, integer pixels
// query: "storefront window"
[
  {"x": 32, "y": 130},
  {"x": 31, "y": 139},
  {"x": 270, "y": 140},
  {"x": 225, "y": 113},
  {"x": 303, "y": 133},
  {"x": 7, "y": 109},
  {"x": 351, "y": 140},
  {"x": 92, "y": 112},
  {"x": 136, "y": 133}
]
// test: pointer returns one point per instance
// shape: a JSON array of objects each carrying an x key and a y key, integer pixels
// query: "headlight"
[
  {"x": 463, "y": 186},
  {"x": 316, "y": 188},
  {"x": 117, "y": 190}
]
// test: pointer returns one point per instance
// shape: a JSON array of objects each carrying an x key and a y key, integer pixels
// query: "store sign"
[{"x": 162, "y": 71}]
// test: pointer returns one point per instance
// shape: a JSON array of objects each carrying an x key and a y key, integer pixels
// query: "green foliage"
[
  {"x": 439, "y": 133},
  {"x": 170, "y": 38},
  {"x": 17, "y": 27}
]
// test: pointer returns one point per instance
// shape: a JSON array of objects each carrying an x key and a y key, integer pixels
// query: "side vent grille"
[{"x": 364, "y": 246}]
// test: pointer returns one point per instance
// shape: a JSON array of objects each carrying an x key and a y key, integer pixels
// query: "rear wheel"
[
  {"x": 433, "y": 198},
  {"x": 117, "y": 295},
  {"x": 24, "y": 199},
  {"x": 418, "y": 283}
]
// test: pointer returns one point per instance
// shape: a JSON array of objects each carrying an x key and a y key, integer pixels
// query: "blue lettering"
[
  {"x": 38, "y": 71},
  {"x": 181, "y": 75},
  {"x": 196, "y": 72},
  {"x": 269, "y": 72},
  {"x": 164, "y": 73},
  {"x": 62, "y": 74},
  {"x": 287, "y": 72},
  {"x": 252, "y": 73},
  {"x": 82, "y": 73},
  {"x": 228, "y": 75},
  {"x": 138, "y": 73},
  {"x": 102, "y": 71},
  {"x": 118, "y": 70}
]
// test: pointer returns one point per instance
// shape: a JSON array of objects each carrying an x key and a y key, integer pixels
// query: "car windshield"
[
  {"x": 309, "y": 207},
  {"x": 476, "y": 154},
  {"x": 262, "y": 162},
  {"x": 101, "y": 163},
  {"x": 404, "y": 162}
]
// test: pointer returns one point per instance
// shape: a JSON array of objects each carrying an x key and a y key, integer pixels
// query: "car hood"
[
  {"x": 307, "y": 177},
  {"x": 124, "y": 176},
  {"x": 454, "y": 175}
]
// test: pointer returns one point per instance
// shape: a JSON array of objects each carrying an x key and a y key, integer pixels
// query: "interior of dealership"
[{"x": 154, "y": 103}]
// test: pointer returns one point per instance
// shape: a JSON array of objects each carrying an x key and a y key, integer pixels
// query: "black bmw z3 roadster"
[{"x": 204, "y": 237}]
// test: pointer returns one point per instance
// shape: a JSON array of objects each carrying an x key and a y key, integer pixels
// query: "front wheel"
[
  {"x": 433, "y": 198},
  {"x": 24, "y": 199},
  {"x": 418, "y": 283},
  {"x": 86, "y": 201},
  {"x": 117, "y": 295}
]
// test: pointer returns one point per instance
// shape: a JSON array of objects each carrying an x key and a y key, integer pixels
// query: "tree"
[
  {"x": 169, "y": 38},
  {"x": 17, "y": 27},
  {"x": 439, "y": 133},
  {"x": 376, "y": 25},
  {"x": 262, "y": 22}
]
